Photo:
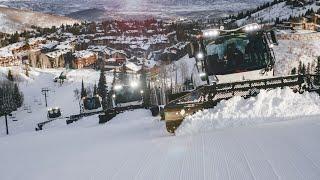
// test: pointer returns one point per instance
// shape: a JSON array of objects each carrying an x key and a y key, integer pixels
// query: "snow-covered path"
[{"x": 134, "y": 145}]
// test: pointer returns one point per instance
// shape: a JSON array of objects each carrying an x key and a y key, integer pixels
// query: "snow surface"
[
  {"x": 12, "y": 20},
  {"x": 290, "y": 52},
  {"x": 280, "y": 10},
  {"x": 134, "y": 146},
  {"x": 268, "y": 106}
]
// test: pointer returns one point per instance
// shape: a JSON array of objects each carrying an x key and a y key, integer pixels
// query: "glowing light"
[
  {"x": 211, "y": 33},
  {"x": 114, "y": 96},
  {"x": 134, "y": 84},
  {"x": 118, "y": 87},
  {"x": 202, "y": 74},
  {"x": 200, "y": 55},
  {"x": 251, "y": 27},
  {"x": 141, "y": 91},
  {"x": 182, "y": 112}
]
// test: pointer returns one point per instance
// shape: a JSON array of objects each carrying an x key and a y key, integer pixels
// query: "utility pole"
[{"x": 44, "y": 92}]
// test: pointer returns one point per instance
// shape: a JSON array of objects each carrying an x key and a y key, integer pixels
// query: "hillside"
[
  {"x": 282, "y": 11},
  {"x": 138, "y": 8},
  {"x": 12, "y": 20}
]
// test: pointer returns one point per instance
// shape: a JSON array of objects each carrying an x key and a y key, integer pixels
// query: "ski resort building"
[{"x": 84, "y": 58}]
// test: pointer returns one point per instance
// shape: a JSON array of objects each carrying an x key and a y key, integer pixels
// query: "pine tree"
[
  {"x": 10, "y": 76},
  {"x": 294, "y": 71},
  {"x": 303, "y": 69},
  {"x": 83, "y": 90},
  {"x": 317, "y": 72},
  {"x": 145, "y": 88},
  {"x": 10, "y": 97},
  {"x": 308, "y": 71},
  {"x": 102, "y": 88},
  {"x": 17, "y": 97},
  {"x": 27, "y": 71},
  {"x": 95, "y": 90}
]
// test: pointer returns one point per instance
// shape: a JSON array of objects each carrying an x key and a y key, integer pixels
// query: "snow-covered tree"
[
  {"x": 10, "y": 97},
  {"x": 102, "y": 88},
  {"x": 10, "y": 76},
  {"x": 317, "y": 72},
  {"x": 95, "y": 90},
  {"x": 83, "y": 90},
  {"x": 294, "y": 71}
]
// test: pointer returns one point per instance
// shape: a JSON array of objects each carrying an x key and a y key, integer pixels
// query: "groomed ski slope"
[{"x": 134, "y": 145}]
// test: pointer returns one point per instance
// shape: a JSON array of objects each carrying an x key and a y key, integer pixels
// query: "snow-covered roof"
[
  {"x": 133, "y": 66},
  {"x": 83, "y": 54},
  {"x": 50, "y": 44},
  {"x": 57, "y": 53}
]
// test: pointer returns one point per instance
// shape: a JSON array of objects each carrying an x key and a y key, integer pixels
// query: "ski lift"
[
  {"x": 54, "y": 113},
  {"x": 91, "y": 104},
  {"x": 25, "y": 107}
]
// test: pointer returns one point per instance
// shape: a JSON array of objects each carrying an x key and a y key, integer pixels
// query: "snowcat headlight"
[
  {"x": 118, "y": 87},
  {"x": 114, "y": 96},
  {"x": 200, "y": 56},
  {"x": 251, "y": 27},
  {"x": 182, "y": 112},
  {"x": 211, "y": 33},
  {"x": 134, "y": 84},
  {"x": 271, "y": 45},
  {"x": 202, "y": 74}
]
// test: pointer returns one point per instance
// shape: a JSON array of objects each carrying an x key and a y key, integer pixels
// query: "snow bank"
[
  {"x": 289, "y": 53},
  {"x": 268, "y": 106}
]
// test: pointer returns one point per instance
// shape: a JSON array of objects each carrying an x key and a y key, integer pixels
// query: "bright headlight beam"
[
  {"x": 202, "y": 74},
  {"x": 210, "y": 33},
  {"x": 118, "y": 87},
  {"x": 134, "y": 84},
  {"x": 200, "y": 55},
  {"x": 251, "y": 27}
]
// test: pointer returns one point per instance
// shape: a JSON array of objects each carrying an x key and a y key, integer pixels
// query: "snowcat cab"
[
  {"x": 91, "y": 104},
  {"x": 231, "y": 55},
  {"x": 54, "y": 113}
]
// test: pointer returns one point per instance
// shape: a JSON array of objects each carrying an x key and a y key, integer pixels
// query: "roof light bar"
[
  {"x": 211, "y": 33},
  {"x": 251, "y": 27}
]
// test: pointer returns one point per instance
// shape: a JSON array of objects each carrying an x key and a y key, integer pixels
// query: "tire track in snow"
[
  {"x": 302, "y": 139},
  {"x": 297, "y": 149},
  {"x": 236, "y": 163},
  {"x": 184, "y": 160},
  {"x": 246, "y": 158},
  {"x": 279, "y": 155},
  {"x": 203, "y": 158},
  {"x": 260, "y": 166},
  {"x": 193, "y": 168},
  {"x": 267, "y": 160}
]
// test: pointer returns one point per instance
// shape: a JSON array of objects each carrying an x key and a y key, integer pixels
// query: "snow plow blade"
[
  {"x": 174, "y": 115},
  {"x": 209, "y": 96}
]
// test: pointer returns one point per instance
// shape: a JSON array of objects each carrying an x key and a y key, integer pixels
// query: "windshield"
[{"x": 234, "y": 54}]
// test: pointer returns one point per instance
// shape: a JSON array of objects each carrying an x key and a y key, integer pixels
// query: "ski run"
[{"x": 276, "y": 139}]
